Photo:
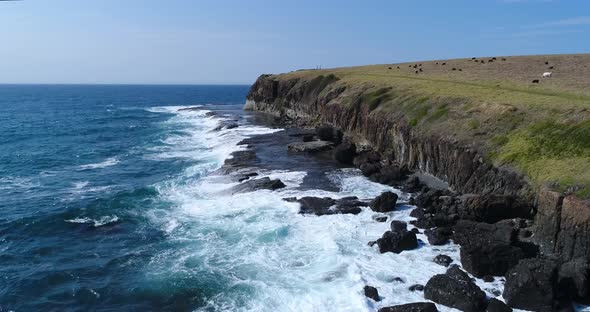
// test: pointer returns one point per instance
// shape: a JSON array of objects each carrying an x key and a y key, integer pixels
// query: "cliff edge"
[{"x": 488, "y": 126}]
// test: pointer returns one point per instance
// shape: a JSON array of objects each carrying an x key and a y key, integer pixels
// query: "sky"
[{"x": 234, "y": 41}]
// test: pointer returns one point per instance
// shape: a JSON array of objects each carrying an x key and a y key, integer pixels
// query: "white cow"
[{"x": 547, "y": 74}]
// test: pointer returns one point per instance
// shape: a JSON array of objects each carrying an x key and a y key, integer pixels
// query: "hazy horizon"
[{"x": 181, "y": 42}]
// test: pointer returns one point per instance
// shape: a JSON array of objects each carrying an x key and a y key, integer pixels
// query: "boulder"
[
  {"x": 328, "y": 206},
  {"x": 369, "y": 169},
  {"x": 487, "y": 249},
  {"x": 411, "y": 307},
  {"x": 241, "y": 158},
  {"x": 574, "y": 279},
  {"x": 371, "y": 292},
  {"x": 380, "y": 218},
  {"x": 329, "y": 133},
  {"x": 439, "y": 236},
  {"x": 310, "y": 147},
  {"x": 384, "y": 202},
  {"x": 307, "y": 138},
  {"x": 397, "y": 226},
  {"x": 391, "y": 175},
  {"x": 443, "y": 260},
  {"x": 456, "y": 290},
  {"x": 416, "y": 287},
  {"x": 530, "y": 285},
  {"x": 495, "y": 305},
  {"x": 258, "y": 184},
  {"x": 397, "y": 242},
  {"x": 344, "y": 153}
]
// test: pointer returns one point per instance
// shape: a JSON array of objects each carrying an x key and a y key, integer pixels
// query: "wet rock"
[
  {"x": 246, "y": 176},
  {"x": 241, "y": 158},
  {"x": 456, "y": 290},
  {"x": 487, "y": 249},
  {"x": 443, "y": 260},
  {"x": 311, "y": 147},
  {"x": 530, "y": 285},
  {"x": 416, "y": 287},
  {"x": 329, "y": 133},
  {"x": 328, "y": 206},
  {"x": 307, "y": 138},
  {"x": 574, "y": 279},
  {"x": 488, "y": 278},
  {"x": 397, "y": 241},
  {"x": 191, "y": 108},
  {"x": 344, "y": 153},
  {"x": 380, "y": 218},
  {"x": 384, "y": 202},
  {"x": 226, "y": 125},
  {"x": 398, "y": 280},
  {"x": 413, "y": 185},
  {"x": 390, "y": 175},
  {"x": 371, "y": 292},
  {"x": 369, "y": 169},
  {"x": 258, "y": 184},
  {"x": 495, "y": 305},
  {"x": 367, "y": 158},
  {"x": 415, "y": 231},
  {"x": 372, "y": 243},
  {"x": 398, "y": 226},
  {"x": 439, "y": 236},
  {"x": 411, "y": 307}
]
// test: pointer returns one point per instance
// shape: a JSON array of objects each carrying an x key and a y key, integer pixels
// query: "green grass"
[{"x": 550, "y": 152}]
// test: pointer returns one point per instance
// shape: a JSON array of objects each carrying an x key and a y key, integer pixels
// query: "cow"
[
  {"x": 547, "y": 74},
  {"x": 536, "y": 81}
]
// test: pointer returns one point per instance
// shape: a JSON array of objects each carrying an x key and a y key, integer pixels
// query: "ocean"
[{"x": 111, "y": 200}]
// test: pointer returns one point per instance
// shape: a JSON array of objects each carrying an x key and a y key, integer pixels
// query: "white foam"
[
  {"x": 95, "y": 222},
  {"x": 107, "y": 163}
]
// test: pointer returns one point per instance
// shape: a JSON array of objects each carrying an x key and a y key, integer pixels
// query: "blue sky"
[{"x": 233, "y": 41}]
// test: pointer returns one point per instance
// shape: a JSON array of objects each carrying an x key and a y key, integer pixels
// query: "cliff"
[{"x": 482, "y": 125}]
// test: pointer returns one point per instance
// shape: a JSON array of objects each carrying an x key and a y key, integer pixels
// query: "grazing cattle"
[
  {"x": 546, "y": 63},
  {"x": 473, "y": 58},
  {"x": 389, "y": 67},
  {"x": 547, "y": 74},
  {"x": 420, "y": 65},
  {"x": 444, "y": 64},
  {"x": 477, "y": 61},
  {"x": 409, "y": 65},
  {"x": 494, "y": 58},
  {"x": 420, "y": 69},
  {"x": 454, "y": 68},
  {"x": 490, "y": 61},
  {"x": 415, "y": 66},
  {"x": 398, "y": 67},
  {"x": 550, "y": 67},
  {"x": 503, "y": 59},
  {"x": 536, "y": 81},
  {"x": 436, "y": 63},
  {"x": 460, "y": 69},
  {"x": 416, "y": 72}
]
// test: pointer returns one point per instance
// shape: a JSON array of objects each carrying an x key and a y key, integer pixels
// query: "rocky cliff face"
[{"x": 563, "y": 223}]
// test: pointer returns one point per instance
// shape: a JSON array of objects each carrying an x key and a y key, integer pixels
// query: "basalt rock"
[
  {"x": 345, "y": 152},
  {"x": 530, "y": 285},
  {"x": 329, "y": 133},
  {"x": 371, "y": 292},
  {"x": 439, "y": 236},
  {"x": 384, "y": 202},
  {"x": 328, "y": 206},
  {"x": 311, "y": 147},
  {"x": 574, "y": 279},
  {"x": 495, "y": 305},
  {"x": 397, "y": 241},
  {"x": 456, "y": 290},
  {"x": 411, "y": 307},
  {"x": 258, "y": 184},
  {"x": 443, "y": 260}
]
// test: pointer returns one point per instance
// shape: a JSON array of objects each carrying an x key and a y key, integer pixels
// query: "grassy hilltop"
[{"x": 541, "y": 129}]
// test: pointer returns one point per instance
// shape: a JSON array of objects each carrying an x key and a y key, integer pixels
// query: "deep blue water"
[{"x": 78, "y": 165}]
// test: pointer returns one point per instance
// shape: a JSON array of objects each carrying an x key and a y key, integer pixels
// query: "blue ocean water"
[{"x": 110, "y": 200}]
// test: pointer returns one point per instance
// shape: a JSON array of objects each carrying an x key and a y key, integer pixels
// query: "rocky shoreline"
[{"x": 536, "y": 240}]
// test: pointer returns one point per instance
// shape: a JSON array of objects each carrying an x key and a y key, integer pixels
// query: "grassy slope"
[{"x": 541, "y": 129}]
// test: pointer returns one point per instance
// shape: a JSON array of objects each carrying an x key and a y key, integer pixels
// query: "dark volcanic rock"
[
  {"x": 411, "y": 307},
  {"x": 398, "y": 226},
  {"x": 439, "y": 236},
  {"x": 241, "y": 158},
  {"x": 380, "y": 218},
  {"x": 384, "y": 202},
  {"x": 345, "y": 152},
  {"x": 443, "y": 260},
  {"x": 258, "y": 184},
  {"x": 329, "y": 133},
  {"x": 574, "y": 278},
  {"x": 416, "y": 287},
  {"x": 456, "y": 290},
  {"x": 369, "y": 169},
  {"x": 371, "y": 292},
  {"x": 397, "y": 241},
  {"x": 530, "y": 285},
  {"x": 307, "y": 138},
  {"x": 495, "y": 305},
  {"x": 327, "y": 206},
  {"x": 391, "y": 175},
  {"x": 311, "y": 147},
  {"x": 487, "y": 249},
  {"x": 226, "y": 125}
]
